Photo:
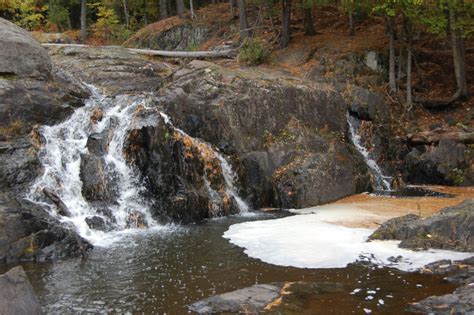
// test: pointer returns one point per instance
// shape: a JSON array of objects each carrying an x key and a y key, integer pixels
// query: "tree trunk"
[
  {"x": 180, "y": 7},
  {"x": 125, "y": 11},
  {"x": 285, "y": 23},
  {"x": 409, "y": 89},
  {"x": 400, "y": 68},
  {"x": 163, "y": 9},
  {"x": 191, "y": 8},
  {"x": 408, "y": 30},
  {"x": 308, "y": 23},
  {"x": 351, "y": 23},
  {"x": 459, "y": 56},
  {"x": 145, "y": 13},
  {"x": 83, "y": 20},
  {"x": 243, "y": 25},
  {"x": 391, "y": 77},
  {"x": 232, "y": 6}
]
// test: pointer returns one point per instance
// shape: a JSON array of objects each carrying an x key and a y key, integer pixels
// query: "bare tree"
[
  {"x": 83, "y": 20},
  {"x": 308, "y": 23},
  {"x": 243, "y": 25},
  {"x": 180, "y": 7},
  {"x": 391, "y": 76},
  {"x": 163, "y": 9},
  {"x": 285, "y": 23},
  {"x": 459, "y": 57}
]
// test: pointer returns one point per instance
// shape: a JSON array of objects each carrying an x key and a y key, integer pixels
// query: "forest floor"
[{"x": 433, "y": 76}]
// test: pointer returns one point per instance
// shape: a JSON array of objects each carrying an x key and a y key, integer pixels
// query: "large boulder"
[
  {"x": 452, "y": 228},
  {"x": 170, "y": 34},
  {"x": 18, "y": 296},
  {"x": 29, "y": 233},
  {"x": 448, "y": 163},
  {"x": 20, "y": 54},
  {"x": 183, "y": 176},
  {"x": 280, "y": 132},
  {"x": 32, "y": 92}
]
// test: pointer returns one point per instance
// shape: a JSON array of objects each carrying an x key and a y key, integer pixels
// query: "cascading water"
[
  {"x": 382, "y": 182},
  {"x": 61, "y": 160},
  {"x": 227, "y": 172}
]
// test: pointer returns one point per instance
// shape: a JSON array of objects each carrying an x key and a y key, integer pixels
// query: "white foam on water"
[
  {"x": 60, "y": 157},
  {"x": 382, "y": 182},
  {"x": 312, "y": 241}
]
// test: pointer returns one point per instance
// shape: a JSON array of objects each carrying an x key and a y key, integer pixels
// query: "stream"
[
  {"x": 163, "y": 268},
  {"x": 162, "y": 272}
]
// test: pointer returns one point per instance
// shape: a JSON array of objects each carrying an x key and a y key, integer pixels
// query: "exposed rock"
[
  {"x": 62, "y": 208},
  {"x": 451, "y": 229},
  {"x": 136, "y": 220},
  {"x": 183, "y": 176},
  {"x": 447, "y": 163},
  {"x": 269, "y": 123},
  {"x": 115, "y": 69},
  {"x": 29, "y": 233},
  {"x": 18, "y": 296},
  {"x": 181, "y": 36},
  {"x": 251, "y": 299},
  {"x": 20, "y": 54},
  {"x": 99, "y": 181},
  {"x": 367, "y": 105},
  {"x": 274, "y": 298},
  {"x": 460, "y": 301},
  {"x": 97, "y": 223},
  {"x": 19, "y": 164}
]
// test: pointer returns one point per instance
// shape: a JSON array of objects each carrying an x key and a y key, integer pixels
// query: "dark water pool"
[
  {"x": 162, "y": 273},
  {"x": 408, "y": 192}
]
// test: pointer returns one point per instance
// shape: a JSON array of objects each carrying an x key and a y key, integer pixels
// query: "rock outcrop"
[
  {"x": 461, "y": 301},
  {"x": 32, "y": 92},
  {"x": 183, "y": 175},
  {"x": 18, "y": 296},
  {"x": 114, "y": 69},
  {"x": 448, "y": 163},
  {"x": 451, "y": 229},
  {"x": 287, "y": 138}
]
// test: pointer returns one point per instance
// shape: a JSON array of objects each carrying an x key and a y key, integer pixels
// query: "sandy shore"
[{"x": 369, "y": 211}]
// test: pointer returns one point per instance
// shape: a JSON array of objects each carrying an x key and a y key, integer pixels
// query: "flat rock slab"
[
  {"x": 252, "y": 299},
  {"x": 16, "y": 294}
]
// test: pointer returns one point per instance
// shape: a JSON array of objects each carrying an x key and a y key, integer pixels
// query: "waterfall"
[
  {"x": 61, "y": 159},
  {"x": 227, "y": 171},
  {"x": 60, "y": 156},
  {"x": 382, "y": 182}
]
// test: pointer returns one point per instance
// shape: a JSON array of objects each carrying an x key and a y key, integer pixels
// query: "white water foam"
[
  {"x": 382, "y": 182},
  {"x": 61, "y": 158},
  {"x": 315, "y": 241}
]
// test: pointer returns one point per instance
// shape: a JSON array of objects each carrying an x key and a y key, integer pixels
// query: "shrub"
[{"x": 253, "y": 52}]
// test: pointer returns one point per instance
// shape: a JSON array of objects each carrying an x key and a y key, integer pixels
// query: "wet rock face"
[
  {"x": 183, "y": 176},
  {"x": 460, "y": 301},
  {"x": 19, "y": 164},
  {"x": 367, "y": 105},
  {"x": 28, "y": 233},
  {"x": 448, "y": 163},
  {"x": 269, "y": 123},
  {"x": 18, "y": 296},
  {"x": 450, "y": 229}
]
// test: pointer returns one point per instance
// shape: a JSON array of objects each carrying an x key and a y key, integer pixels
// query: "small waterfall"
[
  {"x": 382, "y": 182},
  {"x": 61, "y": 159},
  {"x": 227, "y": 171}
]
